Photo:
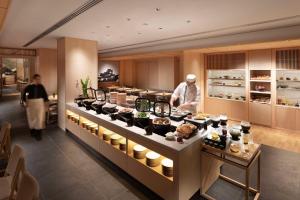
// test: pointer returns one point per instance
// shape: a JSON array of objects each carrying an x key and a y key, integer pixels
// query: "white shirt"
[{"x": 187, "y": 94}]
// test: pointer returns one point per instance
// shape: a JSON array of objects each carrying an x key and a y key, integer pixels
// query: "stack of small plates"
[
  {"x": 121, "y": 98},
  {"x": 167, "y": 167},
  {"x": 83, "y": 124},
  {"x": 89, "y": 125},
  {"x": 115, "y": 139},
  {"x": 122, "y": 144},
  {"x": 152, "y": 159},
  {"x": 94, "y": 129},
  {"x": 106, "y": 135},
  {"x": 113, "y": 97},
  {"x": 139, "y": 151}
]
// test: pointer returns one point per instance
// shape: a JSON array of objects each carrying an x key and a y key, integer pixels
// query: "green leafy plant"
[{"x": 84, "y": 86}]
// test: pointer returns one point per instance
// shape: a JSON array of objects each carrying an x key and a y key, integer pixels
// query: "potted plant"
[{"x": 84, "y": 86}]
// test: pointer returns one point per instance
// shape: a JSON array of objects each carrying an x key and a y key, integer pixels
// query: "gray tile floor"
[{"x": 66, "y": 170}]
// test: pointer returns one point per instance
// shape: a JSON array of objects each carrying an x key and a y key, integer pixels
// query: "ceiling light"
[{"x": 157, "y": 9}]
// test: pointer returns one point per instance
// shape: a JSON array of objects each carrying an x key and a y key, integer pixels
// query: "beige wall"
[
  {"x": 77, "y": 59},
  {"x": 193, "y": 63},
  {"x": 47, "y": 68},
  {"x": 154, "y": 73}
]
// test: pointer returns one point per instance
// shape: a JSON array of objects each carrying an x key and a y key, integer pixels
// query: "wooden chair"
[
  {"x": 28, "y": 189},
  {"x": 5, "y": 141},
  {"x": 10, "y": 181}
]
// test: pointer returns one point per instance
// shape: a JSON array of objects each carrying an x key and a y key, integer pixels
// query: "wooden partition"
[{"x": 155, "y": 73}]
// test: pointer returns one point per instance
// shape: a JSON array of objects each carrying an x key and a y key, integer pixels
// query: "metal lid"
[
  {"x": 142, "y": 104},
  {"x": 162, "y": 109}
]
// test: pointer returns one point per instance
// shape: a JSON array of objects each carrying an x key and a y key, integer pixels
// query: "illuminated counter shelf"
[{"x": 179, "y": 179}]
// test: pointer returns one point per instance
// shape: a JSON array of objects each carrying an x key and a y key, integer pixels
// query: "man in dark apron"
[{"x": 34, "y": 98}]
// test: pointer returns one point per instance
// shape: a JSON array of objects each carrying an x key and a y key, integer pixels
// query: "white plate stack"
[
  {"x": 167, "y": 167},
  {"x": 152, "y": 159},
  {"x": 121, "y": 98},
  {"x": 113, "y": 97},
  {"x": 139, "y": 151},
  {"x": 115, "y": 139}
]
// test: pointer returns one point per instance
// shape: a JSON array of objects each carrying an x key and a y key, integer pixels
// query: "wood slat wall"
[
  {"x": 17, "y": 52},
  {"x": 226, "y": 61},
  {"x": 288, "y": 59}
]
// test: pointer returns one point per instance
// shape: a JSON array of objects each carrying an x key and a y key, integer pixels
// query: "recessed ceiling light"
[
  {"x": 188, "y": 21},
  {"x": 107, "y": 26},
  {"x": 145, "y": 24},
  {"x": 157, "y": 9}
]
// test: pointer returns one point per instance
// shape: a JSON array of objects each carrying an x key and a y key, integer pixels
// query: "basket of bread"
[{"x": 186, "y": 130}]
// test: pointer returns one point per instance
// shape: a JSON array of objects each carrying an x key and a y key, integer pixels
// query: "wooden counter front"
[
  {"x": 234, "y": 109},
  {"x": 186, "y": 157}
]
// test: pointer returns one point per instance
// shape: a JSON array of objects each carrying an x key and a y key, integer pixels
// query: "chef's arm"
[{"x": 173, "y": 99}]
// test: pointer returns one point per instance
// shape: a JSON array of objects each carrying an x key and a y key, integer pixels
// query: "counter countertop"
[{"x": 141, "y": 132}]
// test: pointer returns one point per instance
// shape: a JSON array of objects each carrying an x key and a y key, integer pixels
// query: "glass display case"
[
  {"x": 288, "y": 87},
  {"x": 260, "y": 86},
  {"x": 227, "y": 84}
]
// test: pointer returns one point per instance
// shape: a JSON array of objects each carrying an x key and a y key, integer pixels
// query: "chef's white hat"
[{"x": 191, "y": 78}]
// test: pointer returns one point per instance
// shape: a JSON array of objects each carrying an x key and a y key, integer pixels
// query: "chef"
[
  {"x": 34, "y": 98},
  {"x": 188, "y": 94}
]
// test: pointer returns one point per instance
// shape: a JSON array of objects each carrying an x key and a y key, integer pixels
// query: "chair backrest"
[
  {"x": 17, "y": 154},
  {"x": 15, "y": 180},
  {"x": 28, "y": 189},
  {"x": 5, "y": 138}
]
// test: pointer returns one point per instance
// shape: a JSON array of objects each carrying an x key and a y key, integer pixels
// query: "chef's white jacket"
[{"x": 187, "y": 94}]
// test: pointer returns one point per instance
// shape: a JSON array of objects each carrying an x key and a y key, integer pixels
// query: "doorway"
[{"x": 15, "y": 75}]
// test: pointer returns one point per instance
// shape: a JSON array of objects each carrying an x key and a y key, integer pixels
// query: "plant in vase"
[{"x": 84, "y": 86}]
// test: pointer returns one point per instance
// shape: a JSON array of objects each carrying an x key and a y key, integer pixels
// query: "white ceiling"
[{"x": 27, "y": 19}]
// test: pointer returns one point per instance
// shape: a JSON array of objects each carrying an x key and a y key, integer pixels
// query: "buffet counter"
[{"x": 169, "y": 168}]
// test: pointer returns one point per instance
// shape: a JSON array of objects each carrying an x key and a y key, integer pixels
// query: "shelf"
[
  {"x": 239, "y": 100},
  {"x": 291, "y": 81},
  {"x": 260, "y": 81},
  {"x": 258, "y": 92},
  {"x": 229, "y": 79},
  {"x": 157, "y": 169},
  {"x": 294, "y": 89},
  {"x": 227, "y": 86},
  {"x": 258, "y": 102},
  {"x": 286, "y": 106}
]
